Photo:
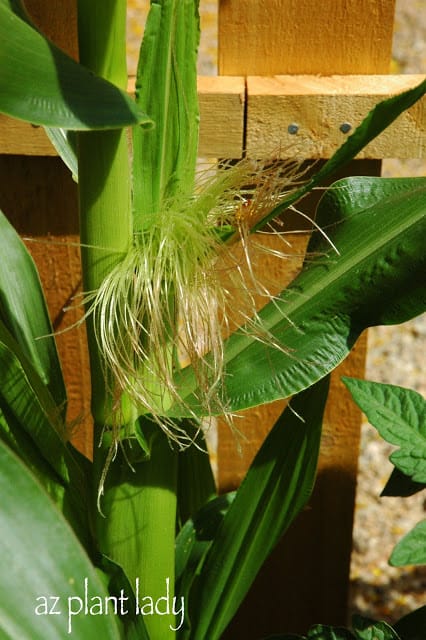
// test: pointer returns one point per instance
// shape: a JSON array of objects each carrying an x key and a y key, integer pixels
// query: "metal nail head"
[
  {"x": 293, "y": 128},
  {"x": 345, "y": 127}
]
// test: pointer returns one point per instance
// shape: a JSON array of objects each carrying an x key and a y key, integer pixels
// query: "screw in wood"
[{"x": 293, "y": 128}]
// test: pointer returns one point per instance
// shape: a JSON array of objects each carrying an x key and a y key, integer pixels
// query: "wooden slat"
[
  {"x": 305, "y": 36},
  {"x": 318, "y": 106},
  {"x": 221, "y": 123},
  {"x": 222, "y": 106}
]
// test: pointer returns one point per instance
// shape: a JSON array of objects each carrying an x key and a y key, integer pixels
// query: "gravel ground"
[{"x": 396, "y": 356}]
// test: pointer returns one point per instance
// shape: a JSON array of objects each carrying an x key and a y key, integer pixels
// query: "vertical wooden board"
[
  {"x": 58, "y": 21},
  {"x": 305, "y": 36},
  {"x": 305, "y": 580}
]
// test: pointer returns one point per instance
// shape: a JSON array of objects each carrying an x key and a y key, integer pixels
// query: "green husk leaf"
[
  {"x": 378, "y": 226},
  {"x": 276, "y": 487},
  {"x": 39, "y": 83},
  {"x": 166, "y": 88},
  {"x": 399, "y": 415},
  {"x": 47, "y": 562},
  {"x": 412, "y": 548}
]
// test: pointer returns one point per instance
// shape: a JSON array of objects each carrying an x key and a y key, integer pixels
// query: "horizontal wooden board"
[
  {"x": 268, "y": 109},
  {"x": 310, "y": 116},
  {"x": 221, "y": 102}
]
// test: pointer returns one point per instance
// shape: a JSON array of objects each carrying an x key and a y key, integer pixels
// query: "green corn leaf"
[
  {"x": 47, "y": 566},
  {"x": 378, "y": 226},
  {"x": 164, "y": 158},
  {"x": 379, "y": 118},
  {"x": 399, "y": 415},
  {"x": 24, "y": 396},
  {"x": 192, "y": 544},
  {"x": 31, "y": 424},
  {"x": 22, "y": 445},
  {"x": 118, "y": 585},
  {"x": 65, "y": 143},
  {"x": 412, "y": 548},
  {"x": 196, "y": 484},
  {"x": 70, "y": 501},
  {"x": 42, "y": 85},
  {"x": 276, "y": 487},
  {"x": 23, "y": 310}
]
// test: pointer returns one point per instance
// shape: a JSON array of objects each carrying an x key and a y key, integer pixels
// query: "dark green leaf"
[
  {"x": 401, "y": 485},
  {"x": 285, "y": 636},
  {"x": 276, "y": 487},
  {"x": 325, "y": 632},
  {"x": 413, "y": 625},
  {"x": 412, "y": 548},
  {"x": 45, "y": 561},
  {"x": 192, "y": 544},
  {"x": 399, "y": 415},
  {"x": 41, "y": 84},
  {"x": 196, "y": 484}
]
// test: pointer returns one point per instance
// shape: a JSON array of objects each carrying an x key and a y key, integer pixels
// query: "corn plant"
[{"x": 135, "y": 543}]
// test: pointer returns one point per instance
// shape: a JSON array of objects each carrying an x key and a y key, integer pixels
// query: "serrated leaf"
[
  {"x": 367, "y": 629},
  {"x": 39, "y": 83},
  {"x": 399, "y": 415},
  {"x": 412, "y": 548},
  {"x": 325, "y": 632}
]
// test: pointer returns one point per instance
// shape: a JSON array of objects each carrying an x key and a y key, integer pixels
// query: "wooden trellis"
[{"x": 294, "y": 75}]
